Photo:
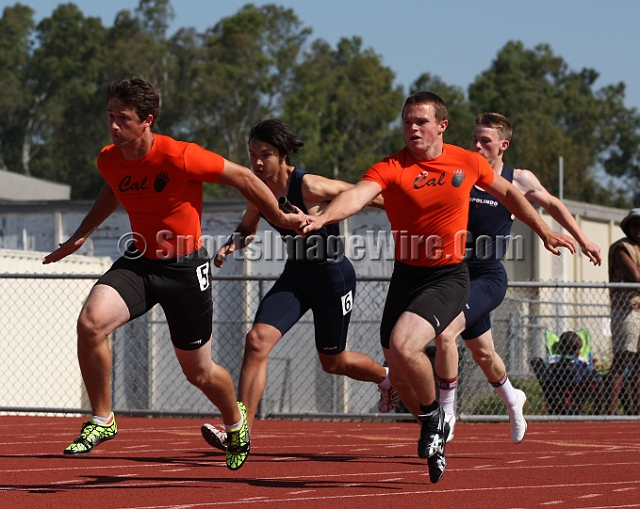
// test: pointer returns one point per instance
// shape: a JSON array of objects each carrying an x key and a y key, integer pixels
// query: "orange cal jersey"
[
  {"x": 162, "y": 193},
  {"x": 427, "y": 202}
]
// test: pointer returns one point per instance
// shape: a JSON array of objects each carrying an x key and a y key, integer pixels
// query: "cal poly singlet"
[{"x": 489, "y": 225}]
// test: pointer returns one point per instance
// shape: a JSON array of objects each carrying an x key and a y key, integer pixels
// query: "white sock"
[
  {"x": 506, "y": 391},
  {"x": 104, "y": 421},
  {"x": 234, "y": 427},
  {"x": 447, "y": 389},
  {"x": 447, "y": 400},
  {"x": 385, "y": 384}
]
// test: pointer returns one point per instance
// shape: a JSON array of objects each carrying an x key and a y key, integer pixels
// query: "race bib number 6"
[{"x": 347, "y": 303}]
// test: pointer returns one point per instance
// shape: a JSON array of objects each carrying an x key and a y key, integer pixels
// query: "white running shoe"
[
  {"x": 449, "y": 425},
  {"x": 516, "y": 418},
  {"x": 389, "y": 399},
  {"x": 214, "y": 437}
]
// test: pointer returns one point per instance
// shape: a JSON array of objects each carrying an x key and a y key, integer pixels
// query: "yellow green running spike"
[
  {"x": 91, "y": 435},
  {"x": 238, "y": 442}
]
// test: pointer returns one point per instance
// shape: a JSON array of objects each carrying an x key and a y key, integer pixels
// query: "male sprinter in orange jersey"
[
  {"x": 158, "y": 181},
  {"x": 426, "y": 189}
]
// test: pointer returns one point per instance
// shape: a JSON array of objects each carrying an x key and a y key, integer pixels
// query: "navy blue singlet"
[
  {"x": 324, "y": 244},
  {"x": 489, "y": 226}
]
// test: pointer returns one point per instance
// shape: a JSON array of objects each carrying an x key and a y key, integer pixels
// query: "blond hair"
[{"x": 498, "y": 122}]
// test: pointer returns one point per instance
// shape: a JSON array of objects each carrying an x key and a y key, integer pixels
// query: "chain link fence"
[{"x": 39, "y": 369}]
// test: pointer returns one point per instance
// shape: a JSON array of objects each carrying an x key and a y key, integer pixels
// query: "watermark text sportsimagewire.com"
[{"x": 373, "y": 245}]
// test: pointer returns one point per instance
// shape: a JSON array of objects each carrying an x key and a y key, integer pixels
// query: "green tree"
[
  {"x": 557, "y": 112},
  {"x": 344, "y": 106},
  {"x": 239, "y": 75},
  {"x": 620, "y": 142},
  {"x": 137, "y": 44},
  {"x": 73, "y": 59},
  {"x": 154, "y": 17},
  {"x": 256, "y": 64},
  {"x": 61, "y": 124},
  {"x": 16, "y": 27}
]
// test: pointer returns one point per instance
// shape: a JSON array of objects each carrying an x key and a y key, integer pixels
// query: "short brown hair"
[
  {"x": 428, "y": 98},
  {"x": 498, "y": 122},
  {"x": 137, "y": 93}
]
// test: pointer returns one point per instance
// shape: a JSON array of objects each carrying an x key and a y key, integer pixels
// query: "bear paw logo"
[
  {"x": 162, "y": 179},
  {"x": 458, "y": 177}
]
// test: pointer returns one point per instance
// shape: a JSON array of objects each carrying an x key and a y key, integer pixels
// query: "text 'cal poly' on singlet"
[
  {"x": 321, "y": 246},
  {"x": 489, "y": 225}
]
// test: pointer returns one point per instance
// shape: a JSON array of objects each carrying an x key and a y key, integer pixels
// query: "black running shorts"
[
  {"x": 436, "y": 294},
  {"x": 182, "y": 286}
]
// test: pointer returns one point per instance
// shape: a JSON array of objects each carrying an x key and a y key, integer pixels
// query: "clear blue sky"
[{"x": 455, "y": 40}]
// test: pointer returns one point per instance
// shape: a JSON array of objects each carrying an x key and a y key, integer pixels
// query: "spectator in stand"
[{"x": 624, "y": 267}]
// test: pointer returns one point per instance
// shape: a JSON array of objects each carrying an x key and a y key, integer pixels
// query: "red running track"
[{"x": 165, "y": 464}]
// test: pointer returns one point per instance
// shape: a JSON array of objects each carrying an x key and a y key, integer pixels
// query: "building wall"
[
  {"x": 38, "y": 364},
  {"x": 41, "y": 226},
  {"x": 600, "y": 224}
]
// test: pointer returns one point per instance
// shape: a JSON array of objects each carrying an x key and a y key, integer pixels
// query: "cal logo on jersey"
[{"x": 423, "y": 180}]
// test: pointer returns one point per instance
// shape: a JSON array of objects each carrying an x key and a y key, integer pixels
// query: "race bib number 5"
[{"x": 202, "y": 271}]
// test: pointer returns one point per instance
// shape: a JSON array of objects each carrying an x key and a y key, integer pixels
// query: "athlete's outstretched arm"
[
  {"x": 103, "y": 206},
  {"x": 242, "y": 236},
  {"x": 316, "y": 188},
  {"x": 257, "y": 192},
  {"x": 344, "y": 205},
  {"x": 518, "y": 205},
  {"x": 531, "y": 187}
]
